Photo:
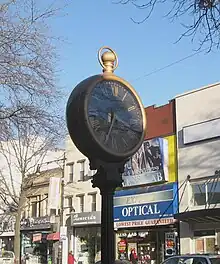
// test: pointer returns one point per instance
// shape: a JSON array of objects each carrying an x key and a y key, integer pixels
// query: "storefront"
[
  {"x": 7, "y": 226},
  {"x": 144, "y": 222},
  {"x": 202, "y": 229},
  {"x": 34, "y": 243},
  {"x": 87, "y": 235}
]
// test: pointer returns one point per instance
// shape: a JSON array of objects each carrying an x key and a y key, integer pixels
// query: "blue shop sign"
[{"x": 146, "y": 206}]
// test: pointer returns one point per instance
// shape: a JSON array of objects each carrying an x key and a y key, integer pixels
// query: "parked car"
[
  {"x": 193, "y": 259},
  {"x": 7, "y": 257},
  {"x": 117, "y": 261}
]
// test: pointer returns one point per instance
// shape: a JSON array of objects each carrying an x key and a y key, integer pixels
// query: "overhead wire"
[{"x": 169, "y": 65}]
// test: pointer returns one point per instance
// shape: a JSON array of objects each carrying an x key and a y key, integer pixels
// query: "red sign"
[
  {"x": 53, "y": 236},
  {"x": 122, "y": 246},
  {"x": 151, "y": 222}
]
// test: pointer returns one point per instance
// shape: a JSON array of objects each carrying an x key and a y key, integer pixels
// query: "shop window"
[
  {"x": 205, "y": 244},
  {"x": 206, "y": 193}
]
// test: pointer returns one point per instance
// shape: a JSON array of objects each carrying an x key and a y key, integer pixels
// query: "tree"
[
  {"x": 20, "y": 153},
  {"x": 30, "y": 120},
  {"x": 27, "y": 64},
  {"x": 204, "y": 15}
]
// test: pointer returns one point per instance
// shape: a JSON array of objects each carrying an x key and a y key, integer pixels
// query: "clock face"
[{"x": 115, "y": 117}]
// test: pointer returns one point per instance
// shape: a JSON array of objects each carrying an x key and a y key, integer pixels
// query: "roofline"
[{"x": 197, "y": 90}]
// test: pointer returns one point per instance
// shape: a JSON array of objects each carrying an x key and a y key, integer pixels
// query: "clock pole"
[{"x": 107, "y": 179}]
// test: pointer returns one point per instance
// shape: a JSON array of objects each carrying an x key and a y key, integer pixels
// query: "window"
[
  {"x": 206, "y": 193},
  {"x": 71, "y": 170},
  {"x": 93, "y": 201},
  {"x": 34, "y": 206},
  {"x": 69, "y": 202},
  {"x": 186, "y": 260},
  {"x": 213, "y": 189},
  {"x": 46, "y": 204},
  {"x": 199, "y": 194},
  {"x": 81, "y": 203},
  {"x": 53, "y": 212},
  {"x": 82, "y": 170}
]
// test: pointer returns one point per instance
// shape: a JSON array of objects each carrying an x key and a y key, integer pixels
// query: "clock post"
[
  {"x": 107, "y": 179},
  {"x": 106, "y": 121}
]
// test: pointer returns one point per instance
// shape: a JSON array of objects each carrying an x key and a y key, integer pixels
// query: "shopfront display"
[
  {"x": 34, "y": 243},
  {"x": 87, "y": 233},
  {"x": 151, "y": 246},
  {"x": 145, "y": 224}
]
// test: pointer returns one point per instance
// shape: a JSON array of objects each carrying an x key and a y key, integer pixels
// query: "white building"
[
  {"x": 82, "y": 206},
  {"x": 198, "y": 133},
  {"x": 13, "y": 157}
]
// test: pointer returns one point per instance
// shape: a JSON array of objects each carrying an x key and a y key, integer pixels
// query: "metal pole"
[
  {"x": 107, "y": 178},
  {"x": 107, "y": 227},
  {"x": 61, "y": 209}
]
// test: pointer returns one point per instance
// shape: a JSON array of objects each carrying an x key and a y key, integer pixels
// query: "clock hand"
[
  {"x": 110, "y": 129},
  {"x": 122, "y": 121}
]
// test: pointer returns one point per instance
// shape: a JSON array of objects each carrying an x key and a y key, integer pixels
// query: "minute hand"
[{"x": 110, "y": 129}]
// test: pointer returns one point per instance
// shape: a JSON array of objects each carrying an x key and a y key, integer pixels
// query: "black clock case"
[{"x": 79, "y": 127}]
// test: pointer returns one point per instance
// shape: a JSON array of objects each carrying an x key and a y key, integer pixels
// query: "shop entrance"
[{"x": 151, "y": 246}]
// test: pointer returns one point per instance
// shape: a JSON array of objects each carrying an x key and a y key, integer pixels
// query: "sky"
[{"x": 141, "y": 49}]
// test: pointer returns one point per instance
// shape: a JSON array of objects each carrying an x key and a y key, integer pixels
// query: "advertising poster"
[{"x": 149, "y": 164}]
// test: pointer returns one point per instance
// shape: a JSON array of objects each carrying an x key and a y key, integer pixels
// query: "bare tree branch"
[
  {"x": 204, "y": 15},
  {"x": 30, "y": 99}
]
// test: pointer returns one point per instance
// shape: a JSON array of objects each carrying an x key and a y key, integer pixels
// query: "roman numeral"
[{"x": 131, "y": 108}]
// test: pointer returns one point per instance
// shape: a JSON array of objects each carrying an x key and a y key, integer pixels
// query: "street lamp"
[{"x": 106, "y": 121}]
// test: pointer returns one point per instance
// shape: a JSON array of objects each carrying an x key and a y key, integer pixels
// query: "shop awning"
[
  {"x": 54, "y": 236},
  {"x": 200, "y": 216}
]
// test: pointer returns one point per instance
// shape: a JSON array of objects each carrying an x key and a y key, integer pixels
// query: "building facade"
[
  {"x": 82, "y": 207},
  {"x": 11, "y": 179},
  {"x": 198, "y": 131},
  {"x": 144, "y": 209},
  {"x": 40, "y": 225}
]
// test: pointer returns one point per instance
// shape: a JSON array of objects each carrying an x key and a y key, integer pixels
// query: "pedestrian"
[
  {"x": 71, "y": 259},
  {"x": 133, "y": 257}
]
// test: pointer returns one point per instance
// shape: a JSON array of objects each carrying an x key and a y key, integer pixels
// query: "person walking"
[
  {"x": 71, "y": 259},
  {"x": 133, "y": 257}
]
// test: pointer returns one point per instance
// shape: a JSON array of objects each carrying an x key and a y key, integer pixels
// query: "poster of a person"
[{"x": 149, "y": 164}]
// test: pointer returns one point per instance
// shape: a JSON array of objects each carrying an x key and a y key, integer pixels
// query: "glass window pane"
[
  {"x": 198, "y": 193},
  {"x": 213, "y": 192},
  {"x": 210, "y": 245},
  {"x": 199, "y": 246}
]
